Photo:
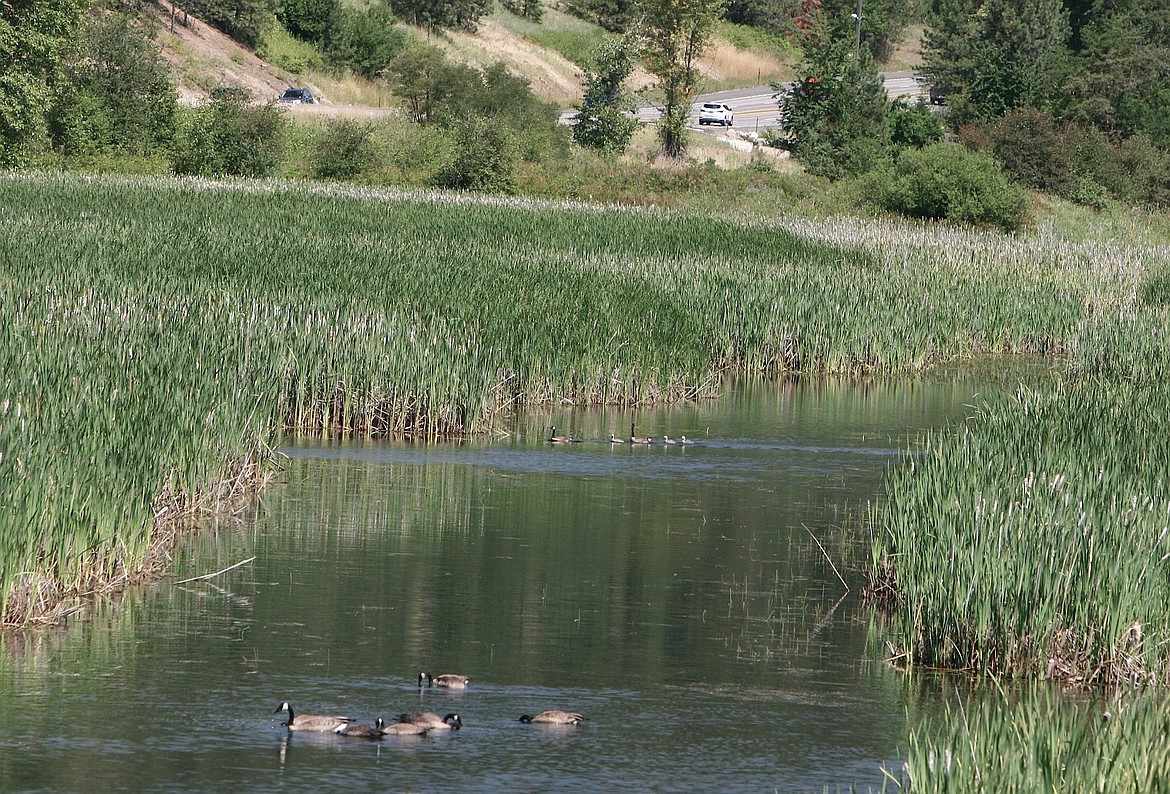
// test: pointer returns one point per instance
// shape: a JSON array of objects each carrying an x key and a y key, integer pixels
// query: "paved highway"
[{"x": 756, "y": 108}]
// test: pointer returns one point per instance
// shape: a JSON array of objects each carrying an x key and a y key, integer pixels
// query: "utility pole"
[{"x": 857, "y": 19}]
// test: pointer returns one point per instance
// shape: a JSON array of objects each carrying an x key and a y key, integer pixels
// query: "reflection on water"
[{"x": 678, "y": 596}]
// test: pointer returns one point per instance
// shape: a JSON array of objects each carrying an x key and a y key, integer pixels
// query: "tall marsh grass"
[
  {"x": 159, "y": 334},
  {"x": 1033, "y": 541},
  {"x": 1041, "y": 740}
]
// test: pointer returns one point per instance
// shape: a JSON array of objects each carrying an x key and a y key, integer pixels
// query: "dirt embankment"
[{"x": 202, "y": 58}]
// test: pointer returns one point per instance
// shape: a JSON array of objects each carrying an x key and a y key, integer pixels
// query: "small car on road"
[
  {"x": 716, "y": 113},
  {"x": 298, "y": 96}
]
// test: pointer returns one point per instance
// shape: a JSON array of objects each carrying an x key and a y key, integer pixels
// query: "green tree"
[
  {"x": 995, "y": 55},
  {"x": 32, "y": 34},
  {"x": 613, "y": 15},
  {"x": 243, "y": 20},
  {"x": 603, "y": 115},
  {"x": 114, "y": 93},
  {"x": 837, "y": 112},
  {"x": 528, "y": 9},
  {"x": 311, "y": 20},
  {"x": 778, "y": 16},
  {"x": 423, "y": 78},
  {"x": 675, "y": 33},
  {"x": 883, "y": 23},
  {"x": 366, "y": 41},
  {"x": 1120, "y": 79},
  {"x": 435, "y": 14}
]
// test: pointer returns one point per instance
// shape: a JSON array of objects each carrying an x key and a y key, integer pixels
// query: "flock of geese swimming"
[
  {"x": 418, "y": 723},
  {"x": 634, "y": 439}
]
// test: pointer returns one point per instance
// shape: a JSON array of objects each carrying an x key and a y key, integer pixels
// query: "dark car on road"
[{"x": 298, "y": 96}]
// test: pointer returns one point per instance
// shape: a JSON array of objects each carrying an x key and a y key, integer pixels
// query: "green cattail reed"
[
  {"x": 160, "y": 333},
  {"x": 1040, "y": 740}
]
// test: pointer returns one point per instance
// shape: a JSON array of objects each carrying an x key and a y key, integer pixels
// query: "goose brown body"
[
  {"x": 402, "y": 728},
  {"x": 311, "y": 722},
  {"x": 358, "y": 731},
  {"x": 431, "y": 720},
  {"x": 555, "y": 439},
  {"x": 554, "y": 717},
  {"x": 449, "y": 680}
]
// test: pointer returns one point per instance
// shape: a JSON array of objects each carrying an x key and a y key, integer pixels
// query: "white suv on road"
[{"x": 716, "y": 113}]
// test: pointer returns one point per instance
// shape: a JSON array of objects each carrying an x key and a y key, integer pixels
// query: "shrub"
[
  {"x": 486, "y": 157},
  {"x": 949, "y": 181},
  {"x": 413, "y": 153},
  {"x": 279, "y": 47},
  {"x": 345, "y": 149},
  {"x": 366, "y": 41},
  {"x": 229, "y": 137},
  {"x": 1142, "y": 174},
  {"x": 114, "y": 94},
  {"x": 1035, "y": 148},
  {"x": 913, "y": 126},
  {"x": 1044, "y": 153}
]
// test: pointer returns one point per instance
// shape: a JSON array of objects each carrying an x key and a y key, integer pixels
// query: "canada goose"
[
  {"x": 554, "y": 717},
  {"x": 311, "y": 722},
  {"x": 555, "y": 439},
  {"x": 401, "y": 728},
  {"x": 683, "y": 440},
  {"x": 638, "y": 439},
  {"x": 431, "y": 720},
  {"x": 615, "y": 440},
  {"x": 449, "y": 680},
  {"x": 667, "y": 440},
  {"x": 359, "y": 731}
]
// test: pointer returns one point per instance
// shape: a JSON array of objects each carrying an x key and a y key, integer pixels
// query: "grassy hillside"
[{"x": 549, "y": 55}]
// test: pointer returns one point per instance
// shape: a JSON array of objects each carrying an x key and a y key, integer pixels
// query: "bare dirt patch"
[
  {"x": 202, "y": 58},
  {"x": 552, "y": 76}
]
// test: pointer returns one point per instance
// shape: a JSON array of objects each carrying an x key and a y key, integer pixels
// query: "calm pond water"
[{"x": 674, "y": 595}]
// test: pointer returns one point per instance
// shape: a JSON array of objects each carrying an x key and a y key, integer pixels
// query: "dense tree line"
[
  {"x": 1070, "y": 97},
  {"x": 33, "y": 34},
  {"x": 1073, "y": 96}
]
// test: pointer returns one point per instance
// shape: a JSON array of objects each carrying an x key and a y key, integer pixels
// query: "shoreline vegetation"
[
  {"x": 161, "y": 329},
  {"x": 164, "y": 334}
]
